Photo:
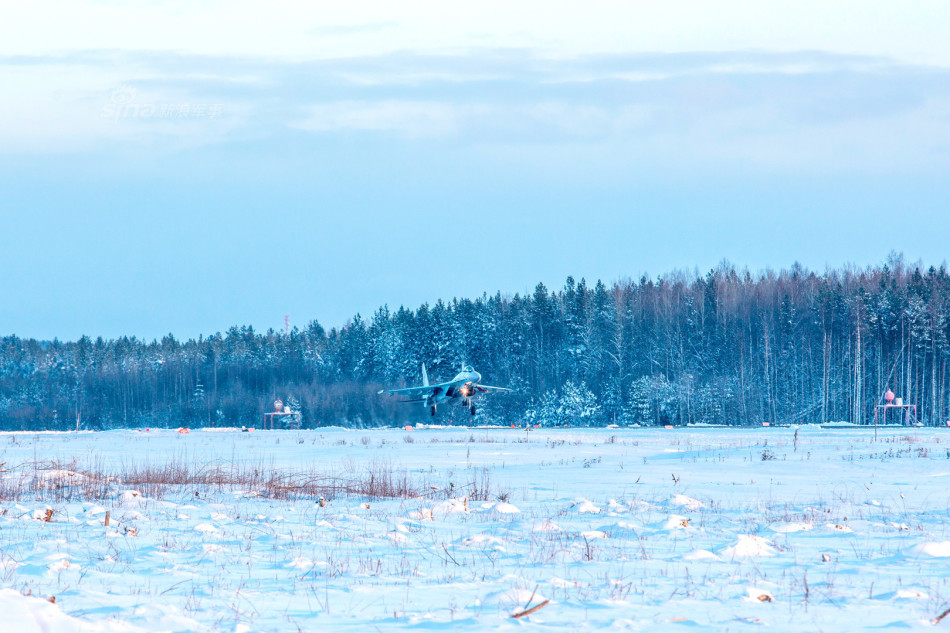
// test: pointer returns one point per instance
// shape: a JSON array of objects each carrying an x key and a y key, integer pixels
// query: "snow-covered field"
[{"x": 639, "y": 529}]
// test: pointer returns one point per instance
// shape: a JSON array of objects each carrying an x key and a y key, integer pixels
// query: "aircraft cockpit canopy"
[{"x": 467, "y": 368}]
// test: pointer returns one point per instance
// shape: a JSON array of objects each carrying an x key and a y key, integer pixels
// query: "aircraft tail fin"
[{"x": 425, "y": 376}]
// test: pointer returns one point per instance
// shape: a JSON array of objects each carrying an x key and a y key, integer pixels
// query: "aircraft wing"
[
  {"x": 421, "y": 391},
  {"x": 489, "y": 388}
]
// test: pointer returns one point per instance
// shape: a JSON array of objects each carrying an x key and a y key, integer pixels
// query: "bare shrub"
[{"x": 481, "y": 488}]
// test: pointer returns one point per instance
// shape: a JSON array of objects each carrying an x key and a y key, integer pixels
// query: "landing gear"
[
  {"x": 432, "y": 410},
  {"x": 471, "y": 409}
]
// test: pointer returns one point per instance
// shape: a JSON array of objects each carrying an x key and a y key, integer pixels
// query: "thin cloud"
[
  {"x": 804, "y": 109},
  {"x": 351, "y": 29},
  {"x": 412, "y": 119}
]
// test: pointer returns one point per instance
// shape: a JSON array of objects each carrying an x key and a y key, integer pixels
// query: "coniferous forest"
[{"x": 727, "y": 347}]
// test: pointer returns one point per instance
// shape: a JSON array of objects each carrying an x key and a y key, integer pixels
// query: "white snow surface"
[
  {"x": 939, "y": 550},
  {"x": 497, "y": 521},
  {"x": 749, "y": 546}
]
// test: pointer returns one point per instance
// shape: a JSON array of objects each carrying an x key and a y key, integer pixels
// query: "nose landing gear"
[
  {"x": 432, "y": 410},
  {"x": 471, "y": 409}
]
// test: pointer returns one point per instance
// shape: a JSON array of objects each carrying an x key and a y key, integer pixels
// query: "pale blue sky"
[{"x": 231, "y": 164}]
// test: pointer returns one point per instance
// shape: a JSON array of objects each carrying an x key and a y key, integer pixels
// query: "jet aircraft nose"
[{"x": 478, "y": 376}]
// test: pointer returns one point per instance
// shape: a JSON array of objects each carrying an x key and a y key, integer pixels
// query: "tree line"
[{"x": 726, "y": 347}]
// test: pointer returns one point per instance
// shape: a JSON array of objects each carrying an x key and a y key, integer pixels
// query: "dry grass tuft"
[{"x": 53, "y": 482}]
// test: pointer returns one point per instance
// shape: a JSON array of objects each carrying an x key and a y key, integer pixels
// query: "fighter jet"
[{"x": 464, "y": 386}]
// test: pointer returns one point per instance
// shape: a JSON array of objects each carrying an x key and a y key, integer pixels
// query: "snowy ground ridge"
[{"x": 464, "y": 529}]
